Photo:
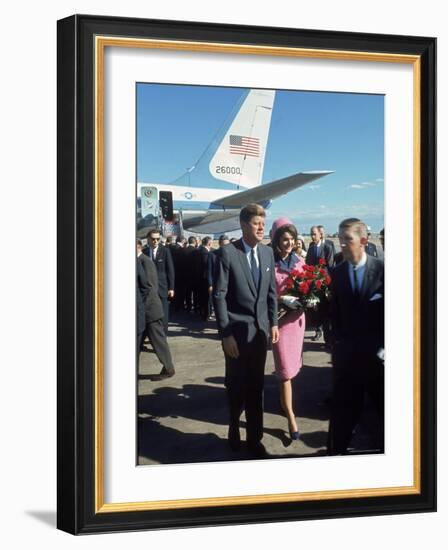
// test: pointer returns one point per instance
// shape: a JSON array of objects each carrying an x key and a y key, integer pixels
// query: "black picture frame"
[{"x": 79, "y": 491}]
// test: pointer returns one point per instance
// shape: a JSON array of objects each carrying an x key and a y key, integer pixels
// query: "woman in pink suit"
[{"x": 288, "y": 350}]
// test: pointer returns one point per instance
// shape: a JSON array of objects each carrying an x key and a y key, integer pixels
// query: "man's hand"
[
  {"x": 230, "y": 347},
  {"x": 275, "y": 335},
  {"x": 170, "y": 294}
]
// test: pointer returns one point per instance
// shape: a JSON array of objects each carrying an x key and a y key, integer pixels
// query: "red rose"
[
  {"x": 327, "y": 280},
  {"x": 304, "y": 287},
  {"x": 289, "y": 284},
  {"x": 323, "y": 272},
  {"x": 322, "y": 262},
  {"x": 319, "y": 284}
]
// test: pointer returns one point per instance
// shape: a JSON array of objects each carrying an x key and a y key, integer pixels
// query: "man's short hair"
[
  {"x": 179, "y": 239},
  {"x": 355, "y": 225},
  {"x": 251, "y": 210},
  {"x": 223, "y": 238},
  {"x": 206, "y": 241},
  {"x": 151, "y": 232},
  {"x": 192, "y": 240}
]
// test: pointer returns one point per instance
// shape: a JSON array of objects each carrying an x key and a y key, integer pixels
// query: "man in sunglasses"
[{"x": 161, "y": 256}]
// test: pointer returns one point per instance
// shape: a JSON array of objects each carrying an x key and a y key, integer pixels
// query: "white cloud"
[
  {"x": 313, "y": 187},
  {"x": 362, "y": 185}
]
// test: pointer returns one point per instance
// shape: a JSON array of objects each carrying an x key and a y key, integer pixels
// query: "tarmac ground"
[{"x": 184, "y": 419}]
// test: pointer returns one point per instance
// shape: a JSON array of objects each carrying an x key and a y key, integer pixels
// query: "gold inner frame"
[{"x": 101, "y": 42}]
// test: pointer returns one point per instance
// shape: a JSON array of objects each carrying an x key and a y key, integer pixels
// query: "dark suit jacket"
[
  {"x": 153, "y": 305},
  {"x": 358, "y": 325},
  {"x": 211, "y": 265},
  {"x": 177, "y": 254},
  {"x": 192, "y": 265},
  {"x": 325, "y": 252},
  {"x": 204, "y": 254},
  {"x": 165, "y": 270},
  {"x": 143, "y": 289},
  {"x": 240, "y": 309}
]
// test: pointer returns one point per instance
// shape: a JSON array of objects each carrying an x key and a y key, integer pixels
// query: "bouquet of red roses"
[{"x": 306, "y": 288}]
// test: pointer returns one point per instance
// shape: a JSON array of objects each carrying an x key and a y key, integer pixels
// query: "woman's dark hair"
[{"x": 288, "y": 228}]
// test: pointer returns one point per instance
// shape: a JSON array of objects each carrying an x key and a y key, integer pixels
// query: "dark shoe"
[
  {"x": 257, "y": 450},
  {"x": 234, "y": 438},
  {"x": 317, "y": 336},
  {"x": 164, "y": 373},
  {"x": 294, "y": 435}
]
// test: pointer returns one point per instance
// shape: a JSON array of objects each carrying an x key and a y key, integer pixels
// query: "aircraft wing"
[
  {"x": 210, "y": 217},
  {"x": 269, "y": 191}
]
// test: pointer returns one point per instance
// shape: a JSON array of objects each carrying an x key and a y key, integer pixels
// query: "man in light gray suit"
[{"x": 246, "y": 312}]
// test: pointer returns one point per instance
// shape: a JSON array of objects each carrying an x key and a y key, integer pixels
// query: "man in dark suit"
[
  {"x": 358, "y": 335},
  {"x": 329, "y": 242},
  {"x": 246, "y": 312},
  {"x": 321, "y": 249},
  {"x": 371, "y": 248},
  {"x": 212, "y": 259},
  {"x": 178, "y": 254},
  {"x": 154, "y": 316},
  {"x": 161, "y": 256},
  {"x": 192, "y": 261},
  {"x": 203, "y": 286},
  {"x": 143, "y": 289}
]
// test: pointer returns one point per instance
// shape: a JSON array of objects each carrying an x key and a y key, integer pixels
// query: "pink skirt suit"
[{"x": 288, "y": 350}]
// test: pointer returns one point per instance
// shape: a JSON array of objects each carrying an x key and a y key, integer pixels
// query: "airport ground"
[{"x": 183, "y": 419}]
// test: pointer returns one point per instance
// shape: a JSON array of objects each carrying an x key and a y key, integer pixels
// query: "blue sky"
[{"x": 309, "y": 131}]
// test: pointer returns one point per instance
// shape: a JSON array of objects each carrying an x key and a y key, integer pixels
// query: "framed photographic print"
[{"x": 236, "y": 342}]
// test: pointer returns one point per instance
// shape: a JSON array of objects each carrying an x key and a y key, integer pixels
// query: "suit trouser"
[
  {"x": 204, "y": 301},
  {"x": 166, "y": 312},
  {"x": 156, "y": 332},
  {"x": 245, "y": 383},
  {"x": 140, "y": 338},
  {"x": 354, "y": 375}
]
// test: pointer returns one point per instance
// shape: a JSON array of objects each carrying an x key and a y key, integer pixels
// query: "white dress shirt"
[{"x": 247, "y": 250}]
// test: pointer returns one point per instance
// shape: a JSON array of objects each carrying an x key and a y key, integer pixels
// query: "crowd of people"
[{"x": 245, "y": 283}]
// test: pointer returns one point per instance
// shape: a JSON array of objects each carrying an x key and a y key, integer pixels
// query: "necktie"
[
  {"x": 355, "y": 283},
  {"x": 254, "y": 268}
]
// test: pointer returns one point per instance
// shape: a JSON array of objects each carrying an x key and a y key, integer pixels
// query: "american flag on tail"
[{"x": 243, "y": 145}]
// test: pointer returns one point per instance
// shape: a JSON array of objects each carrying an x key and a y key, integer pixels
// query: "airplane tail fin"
[{"x": 239, "y": 158}]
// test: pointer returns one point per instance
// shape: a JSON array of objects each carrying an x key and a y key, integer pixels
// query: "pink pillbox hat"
[{"x": 279, "y": 222}]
